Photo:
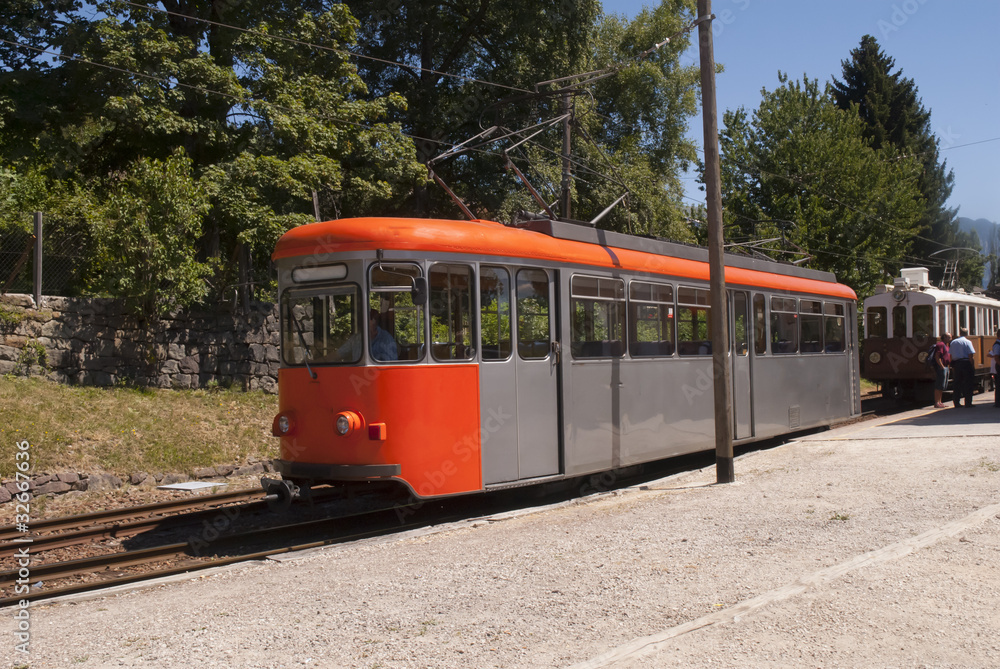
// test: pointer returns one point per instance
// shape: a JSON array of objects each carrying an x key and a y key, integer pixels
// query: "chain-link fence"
[
  {"x": 68, "y": 267},
  {"x": 16, "y": 260},
  {"x": 64, "y": 259}
]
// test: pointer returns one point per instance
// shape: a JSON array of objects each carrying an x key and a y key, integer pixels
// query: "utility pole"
[
  {"x": 566, "y": 199},
  {"x": 716, "y": 264}
]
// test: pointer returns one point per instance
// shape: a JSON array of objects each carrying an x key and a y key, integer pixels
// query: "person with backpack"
[
  {"x": 993, "y": 355},
  {"x": 940, "y": 359}
]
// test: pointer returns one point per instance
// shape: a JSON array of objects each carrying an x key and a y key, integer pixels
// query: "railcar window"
[
  {"x": 784, "y": 325},
  {"x": 963, "y": 317},
  {"x": 451, "y": 312},
  {"x": 899, "y": 321},
  {"x": 942, "y": 312},
  {"x": 597, "y": 312},
  {"x": 694, "y": 321},
  {"x": 923, "y": 320},
  {"x": 533, "y": 338},
  {"x": 391, "y": 295},
  {"x": 651, "y": 319},
  {"x": 494, "y": 315},
  {"x": 321, "y": 325},
  {"x": 759, "y": 325},
  {"x": 833, "y": 327},
  {"x": 740, "y": 323},
  {"x": 811, "y": 326},
  {"x": 878, "y": 324}
]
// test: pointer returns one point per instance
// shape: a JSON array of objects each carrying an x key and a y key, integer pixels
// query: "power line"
[
  {"x": 311, "y": 45},
  {"x": 209, "y": 91}
]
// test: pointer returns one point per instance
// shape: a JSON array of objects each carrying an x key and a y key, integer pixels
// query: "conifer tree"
[{"x": 896, "y": 120}]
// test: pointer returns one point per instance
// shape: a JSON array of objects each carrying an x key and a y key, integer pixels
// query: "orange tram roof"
[{"x": 488, "y": 238}]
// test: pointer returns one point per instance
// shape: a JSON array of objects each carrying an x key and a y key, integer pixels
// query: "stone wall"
[{"x": 91, "y": 341}]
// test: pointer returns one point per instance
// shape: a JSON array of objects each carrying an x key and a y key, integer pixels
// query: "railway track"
[
  {"x": 199, "y": 553},
  {"x": 113, "y": 516}
]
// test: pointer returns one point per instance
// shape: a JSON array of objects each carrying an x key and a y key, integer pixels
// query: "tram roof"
[
  {"x": 551, "y": 241},
  {"x": 934, "y": 295}
]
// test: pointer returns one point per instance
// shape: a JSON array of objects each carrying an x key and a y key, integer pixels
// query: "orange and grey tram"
[
  {"x": 457, "y": 356},
  {"x": 903, "y": 321}
]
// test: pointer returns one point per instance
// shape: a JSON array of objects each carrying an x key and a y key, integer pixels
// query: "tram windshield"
[{"x": 321, "y": 325}]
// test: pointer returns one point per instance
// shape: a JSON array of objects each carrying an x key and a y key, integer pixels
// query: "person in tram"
[
  {"x": 942, "y": 359},
  {"x": 962, "y": 352},
  {"x": 381, "y": 344}
]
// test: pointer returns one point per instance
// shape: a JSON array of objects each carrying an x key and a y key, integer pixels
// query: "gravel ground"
[{"x": 863, "y": 546}]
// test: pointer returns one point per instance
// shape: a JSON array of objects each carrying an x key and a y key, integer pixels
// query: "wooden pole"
[{"x": 716, "y": 265}]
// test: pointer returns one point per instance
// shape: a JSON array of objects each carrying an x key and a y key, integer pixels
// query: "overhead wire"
[
  {"x": 209, "y": 91},
  {"x": 312, "y": 45}
]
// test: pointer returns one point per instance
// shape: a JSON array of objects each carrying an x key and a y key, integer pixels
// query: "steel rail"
[{"x": 10, "y": 532}]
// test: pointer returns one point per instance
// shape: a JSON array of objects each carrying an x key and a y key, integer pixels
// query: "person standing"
[
  {"x": 993, "y": 355},
  {"x": 962, "y": 352},
  {"x": 942, "y": 359}
]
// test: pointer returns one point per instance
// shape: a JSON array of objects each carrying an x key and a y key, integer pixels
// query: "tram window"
[
  {"x": 391, "y": 294},
  {"x": 321, "y": 325},
  {"x": 899, "y": 321},
  {"x": 451, "y": 312},
  {"x": 963, "y": 317},
  {"x": 740, "y": 323},
  {"x": 878, "y": 324},
  {"x": 494, "y": 315},
  {"x": 923, "y": 320},
  {"x": 533, "y": 339},
  {"x": 597, "y": 312},
  {"x": 942, "y": 312},
  {"x": 811, "y": 326},
  {"x": 833, "y": 327},
  {"x": 694, "y": 322},
  {"x": 784, "y": 325},
  {"x": 651, "y": 319},
  {"x": 759, "y": 325}
]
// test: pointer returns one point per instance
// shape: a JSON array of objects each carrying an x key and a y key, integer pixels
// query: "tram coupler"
[{"x": 279, "y": 494}]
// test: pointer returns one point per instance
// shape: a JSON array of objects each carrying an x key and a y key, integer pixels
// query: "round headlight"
[
  {"x": 875, "y": 357},
  {"x": 922, "y": 356},
  {"x": 284, "y": 424},
  {"x": 343, "y": 424}
]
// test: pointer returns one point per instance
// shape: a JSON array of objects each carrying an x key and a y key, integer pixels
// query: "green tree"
[
  {"x": 800, "y": 172},
  {"x": 146, "y": 245},
  {"x": 895, "y": 121},
  {"x": 629, "y": 127},
  {"x": 265, "y": 122}
]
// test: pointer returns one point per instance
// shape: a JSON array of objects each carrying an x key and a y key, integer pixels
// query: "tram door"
[
  {"x": 739, "y": 355},
  {"x": 519, "y": 395}
]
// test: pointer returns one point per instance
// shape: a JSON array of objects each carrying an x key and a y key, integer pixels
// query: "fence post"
[{"x": 38, "y": 260}]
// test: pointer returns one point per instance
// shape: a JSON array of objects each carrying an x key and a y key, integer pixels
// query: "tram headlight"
[
  {"x": 283, "y": 424},
  {"x": 347, "y": 422},
  {"x": 874, "y": 357},
  {"x": 343, "y": 424}
]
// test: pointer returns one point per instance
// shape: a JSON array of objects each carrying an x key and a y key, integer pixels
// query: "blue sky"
[{"x": 951, "y": 49}]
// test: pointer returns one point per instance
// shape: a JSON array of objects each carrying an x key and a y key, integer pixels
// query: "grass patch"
[
  {"x": 989, "y": 465},
  {"x": 868, "y": 387},
  {"x": 125, "y": 430}
]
